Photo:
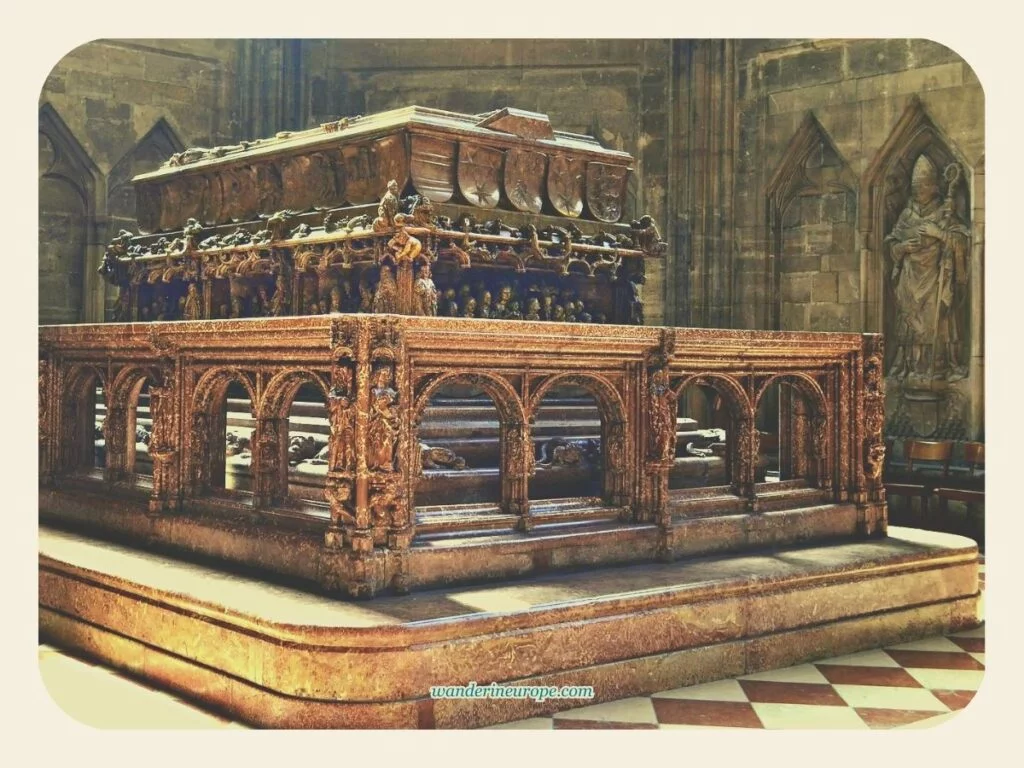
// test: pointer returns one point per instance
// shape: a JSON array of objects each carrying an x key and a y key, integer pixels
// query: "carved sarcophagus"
[
  {"x": 414, "y": 211},
  {"x": 507, "y": 159}
]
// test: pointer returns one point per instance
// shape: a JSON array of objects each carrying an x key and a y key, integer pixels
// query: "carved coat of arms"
[
  {"x": 367, "y": 168},
  {"x": 606, "y": 190},
  {"x": 480, "y": 175},
  {"x": 308, "y": 180},
  {"x": 565, "y": 184},
  {"x": 524, "y": 179}
]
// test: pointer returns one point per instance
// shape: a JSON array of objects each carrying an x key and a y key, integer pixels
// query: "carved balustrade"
[{"x": 377, "y": 374}]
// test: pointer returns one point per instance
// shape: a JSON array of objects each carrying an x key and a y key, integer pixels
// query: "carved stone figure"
[
  {"x": 929, "y": 248},
  {"x": 559, "y": 452},
  {"x": 451, "y": 306},
  {"x": 385, "y": 298},
  {"x": 388, "y": 208},
  {"x": 193, "y": 309},
  {"x": 426, "y": 293},
  {"x": 300, "y": 448},
  {"x": 636, "y": 307},
  {"x": 342, "y": 418},
  {"x": 663, "y": 421},
  {"x": 533, "y": 310},
  {"x": 440, "y": 458},
  {"x": 405, "y": 246},
  {"x": 383, "y": 430}
]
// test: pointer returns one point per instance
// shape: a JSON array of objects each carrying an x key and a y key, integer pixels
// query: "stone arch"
[
  {"x": 741, "y": 412},
  {"x": 281, "y": 388},
  {"x": 207, "y": 425},
  {"x": 78, "y": 416},
  {"x": 212, "y": 383},
  {"x": 731, "y": 390},
  {"x": 609, "y": 401},
  {"x": 70, "y": 193},
  {"x": 616, "y": 446},
  {"x": 122, "y": 411},
  {"x": 503, "y": 394},
  {"x": 813, "y": 189},
  {"x": 803, "y": 429},
  {"x": 807, "y": 385},
  {"x": 515, "y": 455}
]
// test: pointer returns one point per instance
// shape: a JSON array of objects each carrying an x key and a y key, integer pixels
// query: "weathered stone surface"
[
  {"x": 849, "y": 287},
  {"x": 831, "y": 317},
  {"x": 824, "y": 288},
  {"x": 796, "y": 287},
  {"x": 873, "y": 57}
]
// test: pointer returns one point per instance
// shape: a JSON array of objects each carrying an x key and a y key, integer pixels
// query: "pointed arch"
[
  {"x": 159, "y": 143},
  {"x": 813, "y": 169},
  {"x": 505, "y": 398},
  {"x": 281, "y": 389},
  {"x": 70, "y": 198}
]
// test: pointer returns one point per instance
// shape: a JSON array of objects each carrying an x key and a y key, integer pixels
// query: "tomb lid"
[{"x": 509, "y": 126}]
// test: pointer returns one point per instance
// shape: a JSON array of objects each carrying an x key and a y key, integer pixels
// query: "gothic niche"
[
  {"x": 812, "y": 222},
  {"x": 67, "y": 182},
  {"x": 922, "y": 211}
]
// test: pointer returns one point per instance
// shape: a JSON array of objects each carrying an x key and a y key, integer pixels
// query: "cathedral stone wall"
[
  {"x": 109, "y": 110},
  {"x": 827, "y": 134}
]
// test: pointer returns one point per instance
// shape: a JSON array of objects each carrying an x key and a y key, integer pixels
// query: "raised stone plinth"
[{"x": 275, "y": 656}]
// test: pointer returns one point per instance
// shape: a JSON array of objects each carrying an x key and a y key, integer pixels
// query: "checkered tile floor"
[{"x": 915, "y": 684}]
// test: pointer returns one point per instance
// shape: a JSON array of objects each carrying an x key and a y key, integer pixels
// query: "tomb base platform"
[{"x": 276, "y": 656}]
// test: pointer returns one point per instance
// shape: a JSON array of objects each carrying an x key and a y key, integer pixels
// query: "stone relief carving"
[
  {"x": 384, "y": 421},
  {"x": 929, "y": 249}
]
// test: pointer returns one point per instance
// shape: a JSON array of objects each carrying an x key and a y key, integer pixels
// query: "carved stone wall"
[
  {"x": 112, "y": 109},
  {"x": 874, "y": 106}
]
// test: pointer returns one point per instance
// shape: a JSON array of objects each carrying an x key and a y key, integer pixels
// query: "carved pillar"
[
  {"x": 269, "y": 466},
  {"x": 744, "y": 459},
  {"x": 162, "y": 447},
  {"x": 339, "y": 491},
  {"x": 615, "y": 461},
  {"x": 870, "y": 498},
  {"x": 517, "y": 466},
  {"x": 819, "y": 474},
  {"x": 404, "y": 280},
  {"x": 787, "y": 468},
  {"x": 800, "y": 461},
  {"x": 46, "y": 425},
  {"x": 115, "y": 438},
  {"x": 198, "y": 451}
]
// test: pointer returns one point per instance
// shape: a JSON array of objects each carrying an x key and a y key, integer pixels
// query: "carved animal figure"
[
  {"x": 302, "y": 447},
  {"x": 440, "y": 458}
]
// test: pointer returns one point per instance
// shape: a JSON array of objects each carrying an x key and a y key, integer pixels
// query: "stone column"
[
  {"x": 744, "y": 460},
  {"x": 115, "y": 437},
  {"x": 517, "y": 465},
  {"x": 270, "y": 469},
  {"x": 163, "y": 451}
]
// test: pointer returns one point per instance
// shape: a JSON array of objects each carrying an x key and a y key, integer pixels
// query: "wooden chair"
[
  {"x": 917, "y": 484},
  {"x": 974, "y": 457},
  {"x": 940, "y": 452}
]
